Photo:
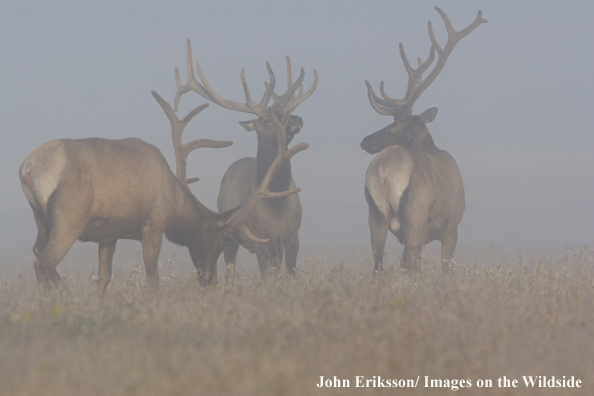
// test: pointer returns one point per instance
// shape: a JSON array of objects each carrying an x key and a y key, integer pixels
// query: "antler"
[
  {"x": 289, "y": 100},
  {"x": 416, "y": 83},
  {"x": 263, "y": 192},
  {"x": 183, "y": 150},
  {"x": 207, "y": 92}
]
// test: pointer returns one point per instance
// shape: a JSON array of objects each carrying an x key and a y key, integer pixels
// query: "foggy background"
[{"x": 515, "y": 103}]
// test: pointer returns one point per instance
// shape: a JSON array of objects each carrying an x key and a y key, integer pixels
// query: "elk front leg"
[
  {"x": 291, "y": 250},
  {"x": 411, "y": 258},
  {"x": 276, "y": 255},
  {"x": 263, "y": 255},
  {"x": 152, "y": 239},
  {"x": 230, "y": 254},
  {"x": 106, "y": 252}
]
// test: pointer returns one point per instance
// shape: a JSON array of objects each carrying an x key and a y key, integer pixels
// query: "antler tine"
[
  {"x": 378, "y": 104},
  {"x": 183, "y": 150},
  {"x": 289, "y": 74},
  {"x": 249, "y": 106},
  {"x": 387, "y": 101},
  {"x": 282, "y": 155},
  {"x": 399, "y": 107},
  {"x": 275, "y": 97},
  {"x": 292, "y": 100},
  {"x": 290, "y": 78},
  {"x": 296, "y": 101},
  {"x": 443, "y": 54},
  {"x": 416, "y": 83},
  {"x": 414, "y": 78},
  {"x": 192, "y": 84},
  {"x": 205, "y": 89},
  {"x": 268, "y": 92},
  {"x": 282, "y": 103}
]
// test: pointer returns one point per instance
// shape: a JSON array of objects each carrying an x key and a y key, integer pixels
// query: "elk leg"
[
  {"x": 58, "y": 245},
  {"x": 448, "y": 245},
  {"x": 230, "y": 254},
  {"x": 378, "y": 226},
  {"x": 263, "y": 254},
  {"x": 291, "y": 250},
  {"x": 106, "y": 252},
  {"x": 43, "y": 231},
  {"x": 413, "y": 246},
  {"x": 276, "y": 255},
  {"x": 151, "y": 247},
  {"x": 66, "y": 223},
  {"x": 411, "y": 258}
]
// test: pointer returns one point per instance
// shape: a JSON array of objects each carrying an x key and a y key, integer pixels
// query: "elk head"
[{"x": 410, "y": 130}]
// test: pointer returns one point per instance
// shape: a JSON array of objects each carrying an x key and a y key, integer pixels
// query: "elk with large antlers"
[
  {"x": 278, "y": 219},
  {"x": 413, "y": 188},
  {"x": 103, "y": 190}
]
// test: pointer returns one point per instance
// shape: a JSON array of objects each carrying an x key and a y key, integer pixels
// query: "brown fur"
[
  {"x": 103, "y": 190},
  {"x": 413, "y": 189},
  {"x": 276, "y": 219}
]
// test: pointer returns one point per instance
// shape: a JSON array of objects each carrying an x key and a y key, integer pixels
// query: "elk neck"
[
  {"x": 192, "y": 219},
  {"x": 281, "y": 181},
  {"x": 423, "y": 140}
]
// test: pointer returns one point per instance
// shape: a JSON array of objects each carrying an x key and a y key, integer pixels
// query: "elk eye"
[{"x": 267, "y": 121}]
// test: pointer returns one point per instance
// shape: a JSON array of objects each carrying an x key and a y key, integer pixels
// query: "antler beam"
[
  {"x": 209, "y": 93},
  {"x": 416, "y": 83}
]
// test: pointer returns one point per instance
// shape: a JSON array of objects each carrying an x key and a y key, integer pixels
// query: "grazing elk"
[
  {"x": 413, "y": 188},
  {"x": 276, "y": 219},
  {"x": 103, "y": 190}
]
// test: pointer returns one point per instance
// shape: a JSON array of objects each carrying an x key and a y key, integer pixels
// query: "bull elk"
[
  {"x": 103, "y": 190},
  {"x": 278, "y": 219},
  {"x": 413, "y": 188}
]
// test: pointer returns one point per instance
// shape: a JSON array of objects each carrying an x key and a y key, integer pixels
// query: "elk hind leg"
[
  {"x": 413, "y": 246},
  {"x": 448, "y": 245},
  {"x": 58, "y": 244},
  {"x": 65, "y": 223},
  {"x": 106, "y": 252},
  {"x": 378, "y": 227},
  {"x": 43, "y": 231}
]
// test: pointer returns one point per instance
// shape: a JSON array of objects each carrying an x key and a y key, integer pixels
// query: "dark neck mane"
[{"x": 281, "y": 181}]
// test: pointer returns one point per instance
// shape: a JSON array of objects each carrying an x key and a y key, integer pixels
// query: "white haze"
[{"x": 514, "y": 99}]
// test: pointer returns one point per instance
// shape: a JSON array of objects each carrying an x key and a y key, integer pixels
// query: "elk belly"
[{"x": 106, "y": 229}]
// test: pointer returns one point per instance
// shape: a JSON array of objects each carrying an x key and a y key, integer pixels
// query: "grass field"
[{"x": 513, "y": 318}]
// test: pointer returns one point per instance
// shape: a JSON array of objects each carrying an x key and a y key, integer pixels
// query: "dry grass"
[{"x": 277, "y": 337}]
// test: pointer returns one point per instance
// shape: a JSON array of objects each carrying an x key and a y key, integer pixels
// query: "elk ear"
[
  {"x": 226, "y": 217},
  {"x": 248, "y": 125},
  {"x": 429, "y": 115}
]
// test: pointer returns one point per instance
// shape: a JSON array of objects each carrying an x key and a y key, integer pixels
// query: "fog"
[{"x": 514, "y": 100}]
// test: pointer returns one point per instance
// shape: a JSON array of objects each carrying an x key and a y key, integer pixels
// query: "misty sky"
[{"x": 514, "y": 99}]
